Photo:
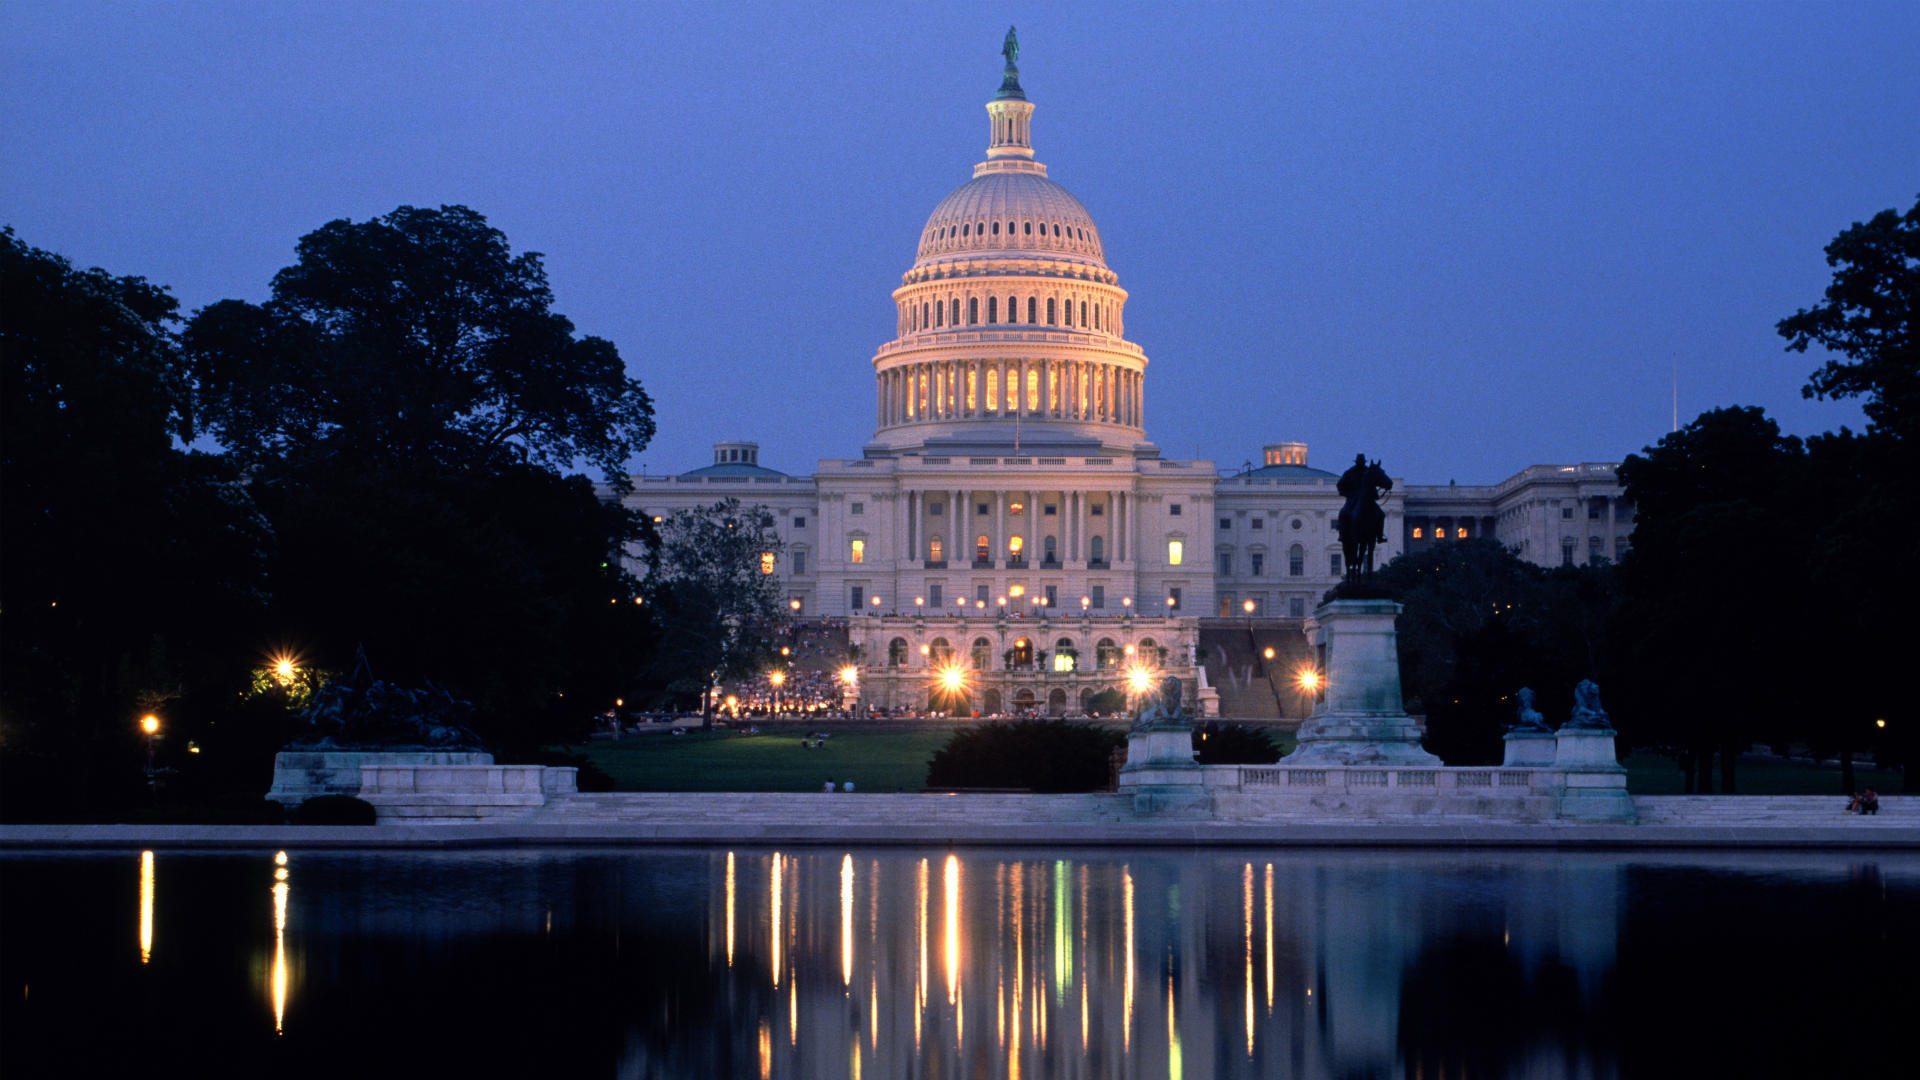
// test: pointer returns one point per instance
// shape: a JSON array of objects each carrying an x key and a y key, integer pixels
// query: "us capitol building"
[{"x": 1011, "y": 519}]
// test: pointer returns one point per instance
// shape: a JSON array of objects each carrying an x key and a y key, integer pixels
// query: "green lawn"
[
  {"x": 1656, "y": 774},
  {"x": 774, "y": 761},
  {"x": 896, "y": 760}
]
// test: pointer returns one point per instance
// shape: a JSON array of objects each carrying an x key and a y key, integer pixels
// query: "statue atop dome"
[{"x": 1010, "y": 78}]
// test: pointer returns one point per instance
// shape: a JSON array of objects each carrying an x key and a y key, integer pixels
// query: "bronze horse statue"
[{"x": 1362, "y": 524}]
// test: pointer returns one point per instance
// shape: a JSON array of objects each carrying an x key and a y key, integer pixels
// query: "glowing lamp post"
[
  {"x": 776, "y": 680},
  {"x": 1248, "y": 607},
  {"x": 151, "y": 725}
]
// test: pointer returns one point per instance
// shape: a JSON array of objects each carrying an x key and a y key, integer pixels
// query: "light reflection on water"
[{"x": 1110, "y": 964}]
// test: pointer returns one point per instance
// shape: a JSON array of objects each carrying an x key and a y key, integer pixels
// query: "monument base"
[
  {"x": 1595, "y": 786},
  {"x": 1529, "y": 749},
  {"x": 1359, "y": 718},
  {"x": 1356, "y": 740},
  {"x": 1161, "y": 774},
  {"x": 299, "y": 775}
]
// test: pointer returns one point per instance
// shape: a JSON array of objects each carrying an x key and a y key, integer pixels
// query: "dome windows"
[{"x": 1029, "y": 228}]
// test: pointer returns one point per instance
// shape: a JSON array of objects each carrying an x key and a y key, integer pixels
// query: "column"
[{"x": 999, "y": 525}]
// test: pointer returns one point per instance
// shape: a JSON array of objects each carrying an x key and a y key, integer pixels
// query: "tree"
[
  {"x": 715, "y": 596},
  {"x": 1866, "y": 323},
  {"x": 1865, "y": 488},
  {"x": 408, "y": 404},
  {"x": 129, "y": 562},
  {"x": 1478, "y": 623},
  {"x": 1720, "y": 550},
  {"x": 416, "y": 340}
]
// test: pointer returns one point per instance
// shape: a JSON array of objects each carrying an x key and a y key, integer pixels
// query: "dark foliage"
[
  {"x": 1479, "y": 623},
  {"x": 1039, "y": 755},
  {"x": 133, "y": 569},
  {"x": 1215, "y": 743},
  {"x": 591, "y": 777},
  {"x": 333, "y": 810},
  {"x": 1108, "y": 702}
]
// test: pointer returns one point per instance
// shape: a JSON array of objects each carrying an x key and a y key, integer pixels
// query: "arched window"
[
  {"x": 1097, "y": 549},
  {"x": 939, "y": 651},
  {"x": 1029, "y": 228},
  {"x": 1296, "y": 561},
  {"x": 1052, "y": 319},
  {"x": 964, "y": 229},
  {"x": 1013, "y": 309},
  {"x": 924, "y": 315},
  {"x": 935, "y": 549},
  {"x": 1049, "y": 550},
  {"x": 939, "y": 313},
  {"x": 993, "y": 305},
  {"x": 1083, "y": 313},
  {"x": 973, "y": 310},
  {"x": 1147, "y": 652},
  {"x": 996, "y": 228},
  {"x": 1011, "y": 227},
  {"x": 982, "y": 548},
  {"x": 897, "y": 652},
  {"x": 1056, "y": 228},
  {"x": 993, "y": 389},
  {"x": 1068, "y": 313},
  {"x": 1063, "y": 655},
  {"x": 1106, "y": 655},
  {"x": 1033, "y": 308},
  {"x": 1096, "y": 316},
  {"x": 981, "y": 228},
  {"x": 956, "y": 311},
  {"x": 982, "y": 654}
]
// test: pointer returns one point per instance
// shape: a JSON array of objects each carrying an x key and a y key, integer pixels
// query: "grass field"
[
  {"x": 885, "y": 760},
  {"x": 892, "y": 759}
]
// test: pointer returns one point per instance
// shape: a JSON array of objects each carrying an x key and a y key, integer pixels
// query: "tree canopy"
[
  {"x": 1866, "y": 321},
  {"x": 714, "y": 595},
  {"x": 130, "y": 563},
  {"x": 419, "y": 340}
]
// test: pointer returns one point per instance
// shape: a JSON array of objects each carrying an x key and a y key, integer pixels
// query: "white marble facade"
[{"x": 1010, "y": 477}]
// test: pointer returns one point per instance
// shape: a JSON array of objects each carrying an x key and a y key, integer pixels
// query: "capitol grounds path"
[{"x": 872, "y": 818}]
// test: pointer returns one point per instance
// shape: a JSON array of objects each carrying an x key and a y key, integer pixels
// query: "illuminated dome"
[{"x": 1010, "y": 321}]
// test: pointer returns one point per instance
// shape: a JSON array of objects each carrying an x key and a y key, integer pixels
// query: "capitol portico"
[{"x": 1011, "y": 519}]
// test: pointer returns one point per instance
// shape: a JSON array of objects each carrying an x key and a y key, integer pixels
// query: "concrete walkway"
[{"x": 1798, "y": 822}]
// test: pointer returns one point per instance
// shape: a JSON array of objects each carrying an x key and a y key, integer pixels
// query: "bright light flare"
[
  {"x": 1308, "y": 679},
  {"x": 778, "y": 679},
  {"x": 150, "y": 724},
  {"x": 951, "y": 678},
  {"x": 1139, "y": 680},
  {"x": 849, "y": 674}
]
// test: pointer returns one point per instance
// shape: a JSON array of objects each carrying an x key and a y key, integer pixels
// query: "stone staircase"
[
  {"x": 1698, "y": 810},
  {"x": 1235, "y": 669}
]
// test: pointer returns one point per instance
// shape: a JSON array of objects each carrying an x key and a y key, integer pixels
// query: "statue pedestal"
[
  {"x": 1359, "y": 718},
  {"x": 299, "y": 775},
  {"x": 1530, "y": 749},
  {"x": 1596, "y": 784},
  {"x": 1161, "y": 773}
]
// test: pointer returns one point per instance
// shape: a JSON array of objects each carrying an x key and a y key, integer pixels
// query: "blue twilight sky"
[{"x": 1462, "y": 237}]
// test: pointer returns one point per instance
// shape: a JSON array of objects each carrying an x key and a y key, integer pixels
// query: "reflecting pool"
[{"x": 819, "y": 963}]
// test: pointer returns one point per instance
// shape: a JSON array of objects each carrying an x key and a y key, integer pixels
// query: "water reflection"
[
  {"x": 683, "y": 963},
  {"x": 146, "y": 906}
]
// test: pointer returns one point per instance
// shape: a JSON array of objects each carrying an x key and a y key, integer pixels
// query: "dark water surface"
[{"x": 891, "y": 963}]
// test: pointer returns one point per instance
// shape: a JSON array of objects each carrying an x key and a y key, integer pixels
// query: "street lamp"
[
  {"x": 794, "y": 604},
  {"x": 1268, "y": 654},
  {"x": 777, "y": 679},
  {"x": 1248, "y": 606},
  {"x": 1126, "y": 601},
  {"x": 1308, "y": 680},
  {"x": 151, "y": 725}
]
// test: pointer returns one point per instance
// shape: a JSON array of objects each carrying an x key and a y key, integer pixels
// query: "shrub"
[
  {"x": 1233, "y": 744},
  {"x": 1108, "y": 702},
  {"x": 333, "y": 810},
  {"x": 591, "y": 778},
  {"x": 1038, "y": 755}
]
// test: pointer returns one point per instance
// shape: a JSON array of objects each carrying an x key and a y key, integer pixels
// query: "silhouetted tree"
[
  {"x": 130, "y": 563},
  {"x": 715, "y": 596}
]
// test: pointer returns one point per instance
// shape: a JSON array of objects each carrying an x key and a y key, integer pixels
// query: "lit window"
[
  {"x": 1439, "y": 532},
  {"x": 1016, "y": 509},
  {"x": 1015, "y": 546},
  {"x": 981, "y": 551},
  {"x": 1418, "y": 533},
  {"x": 1016, "y": 590},
  {"x": 859, "y": 552},
  {"x": 1460, "y": 533},
  {"x": 1175, "y": 551},
  {"x": 766, "y": 562},
  {"x": 935, "y": 550}
]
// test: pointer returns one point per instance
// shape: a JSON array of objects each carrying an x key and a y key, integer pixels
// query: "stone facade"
[{"x": 1010, "y": 476}]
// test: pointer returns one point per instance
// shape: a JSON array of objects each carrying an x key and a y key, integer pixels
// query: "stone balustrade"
[{"x": 427, "y": 794}]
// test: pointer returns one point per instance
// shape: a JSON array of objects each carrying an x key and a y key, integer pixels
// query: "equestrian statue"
[{"x": 1362, "y": 523}]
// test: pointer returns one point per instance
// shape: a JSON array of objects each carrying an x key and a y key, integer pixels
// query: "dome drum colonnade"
[{"x": 1009, "y": 311}]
